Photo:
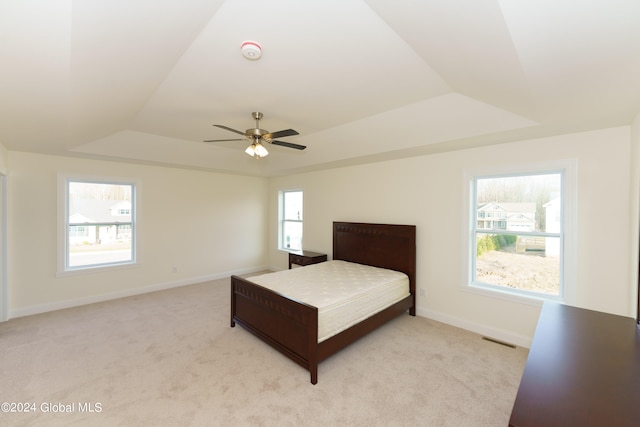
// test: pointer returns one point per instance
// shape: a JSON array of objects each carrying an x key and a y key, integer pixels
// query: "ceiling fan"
[{"x": 259, "y": 136}]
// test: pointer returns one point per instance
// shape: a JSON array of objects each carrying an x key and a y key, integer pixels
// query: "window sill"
[{"x": 92, "y": 270}]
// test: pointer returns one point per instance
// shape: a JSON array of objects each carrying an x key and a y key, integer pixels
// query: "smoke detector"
[{"x": 251, "y": 50}]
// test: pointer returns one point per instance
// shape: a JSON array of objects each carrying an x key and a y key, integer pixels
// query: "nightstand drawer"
[
  {"x": 306, "y": 258},
  {"x": 297, "y": 259}
]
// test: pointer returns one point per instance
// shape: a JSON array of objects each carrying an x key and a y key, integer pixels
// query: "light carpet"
[{"x": 169, "y": 358}]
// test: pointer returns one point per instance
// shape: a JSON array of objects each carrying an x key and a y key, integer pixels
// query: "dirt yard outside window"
[{"x": 532, "y": 271}]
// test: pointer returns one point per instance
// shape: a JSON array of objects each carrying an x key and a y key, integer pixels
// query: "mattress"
[{"x": 345, "y": 293}]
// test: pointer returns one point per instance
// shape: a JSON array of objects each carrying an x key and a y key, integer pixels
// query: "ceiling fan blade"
[
  {"x": 281, "y": 133},
  {"x": 229, "y": 129},
  {"x": 289, "y": 145},
  {"x": 221, "y": 140}
]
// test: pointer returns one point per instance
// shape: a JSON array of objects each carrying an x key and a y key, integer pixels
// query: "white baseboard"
[
  {"x": 498, "y": 334},
  {"x": 76, "y": 302}
]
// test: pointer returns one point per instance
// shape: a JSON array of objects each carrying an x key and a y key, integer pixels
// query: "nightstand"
[{"x": 306, "y": 258}]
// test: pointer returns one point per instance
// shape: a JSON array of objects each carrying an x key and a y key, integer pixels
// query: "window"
[
  {"x": 99, "y": 224},
  {"x": 78, "y": 230},
  {"x": 523, "y": 252},
  {"x": 291, "y": 220}
]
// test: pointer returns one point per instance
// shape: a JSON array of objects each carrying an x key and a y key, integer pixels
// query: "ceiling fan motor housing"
[{"x": 255, "y": 133}]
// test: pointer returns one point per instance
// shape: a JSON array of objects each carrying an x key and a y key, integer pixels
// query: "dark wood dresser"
[{"x": 583, "y": 369}]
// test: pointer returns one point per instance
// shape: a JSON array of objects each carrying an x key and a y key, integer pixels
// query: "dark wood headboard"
[{"x": 389, "y": 246}]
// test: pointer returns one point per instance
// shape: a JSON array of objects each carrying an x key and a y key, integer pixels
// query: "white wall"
[
  {"x": 3, "y": 159},
  {"x": 207, "y": 225},
  {"x": 427, "y": 191},
  {"x": 634, "y": 225},
  {"x": 4, "y": 310}
]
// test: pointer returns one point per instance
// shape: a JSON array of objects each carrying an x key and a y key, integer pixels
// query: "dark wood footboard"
[{"x": 289, "y": 326}]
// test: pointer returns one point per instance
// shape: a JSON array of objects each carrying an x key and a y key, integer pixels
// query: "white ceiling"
[{"x": 145, "y": 80}]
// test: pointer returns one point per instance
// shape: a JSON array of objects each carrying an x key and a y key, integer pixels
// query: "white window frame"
[
  {"x": 568, "y": 245},
  {"x": 63, "y": 267},
  {"x": 281, "y": 219}
]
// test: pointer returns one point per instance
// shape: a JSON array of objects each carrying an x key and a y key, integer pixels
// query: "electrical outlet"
[{"x": 174, "y": 270}]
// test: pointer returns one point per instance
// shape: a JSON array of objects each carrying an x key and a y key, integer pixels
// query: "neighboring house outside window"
[
  {"x": 290, "y": 213},
  {"x": 99, "y": 224}
]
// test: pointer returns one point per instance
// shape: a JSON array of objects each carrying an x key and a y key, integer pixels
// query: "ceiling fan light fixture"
[
  {"x": 261, "y": 151},
  {"x": 256, "y": 150}
]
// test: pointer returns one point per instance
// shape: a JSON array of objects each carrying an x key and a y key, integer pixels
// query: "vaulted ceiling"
[{"x": 360, "y": 80}]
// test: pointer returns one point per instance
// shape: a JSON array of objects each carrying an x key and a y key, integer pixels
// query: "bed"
[{"x": 291, "y": 326}]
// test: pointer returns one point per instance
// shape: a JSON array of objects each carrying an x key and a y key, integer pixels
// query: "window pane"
[
  {"x": 293, "y": 205},
  {"x": 519, "y": 203},
  {"x": 517, "y": 233},
  {"x": 519, "y": 262},
  {"x": 99, "y": 224},
  {"x": 292, "y": 235}
]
